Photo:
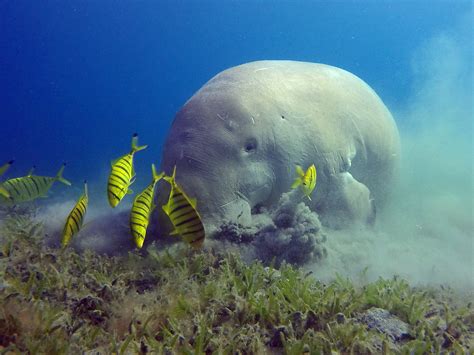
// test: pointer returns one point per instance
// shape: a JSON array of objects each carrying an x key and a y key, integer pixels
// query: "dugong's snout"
[{"x": 224, "y": 166}]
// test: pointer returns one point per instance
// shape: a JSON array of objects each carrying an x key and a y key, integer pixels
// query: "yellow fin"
[
  {"x": 296, "y": 183},
  {"x": 171, "y": 179},
  {"x": 156, "y": 176},
  {"x": 129, "y": 191},
  {"x": 59, "y": 176},
  {"x": 135, "y": 146},
  {"x": 299, "y": 171}
]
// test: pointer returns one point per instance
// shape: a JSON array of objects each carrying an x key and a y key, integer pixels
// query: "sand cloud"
[{"x": 426, "y": 233}]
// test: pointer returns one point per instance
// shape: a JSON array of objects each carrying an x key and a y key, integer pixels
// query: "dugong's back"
[
  {"x": 347, "y": 125},
  {"x": 297, "y": 113}
]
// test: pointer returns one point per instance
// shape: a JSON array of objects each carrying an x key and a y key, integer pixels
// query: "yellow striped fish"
[
  {"x": 3, "y": 170},
  {"x": 141, "y": 210},
  {"x": 30, "y": 187},
  {"x": 122, "y": 174},
  {"x": 75, "y": 218},
  {"x": 307, "y": 180},
  {"x": 183, "y": 214}
]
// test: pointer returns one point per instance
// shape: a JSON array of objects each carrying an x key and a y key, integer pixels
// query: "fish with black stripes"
[
  {"x": 307, "y": 180},
  {"x": 75, "y": 218},
  {"x": 30, "y": 187},
  {"x": 183, "y": 214},
  {"x": 122, "y": 175},
  {"x": 3, "y": 170},
  {"x": 142, "y": 208}
]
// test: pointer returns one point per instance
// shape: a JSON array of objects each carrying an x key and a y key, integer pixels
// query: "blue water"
[{"x": 77, "y": 78}]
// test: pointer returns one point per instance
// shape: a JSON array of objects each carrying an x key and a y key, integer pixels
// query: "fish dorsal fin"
[{"x": 32, "y": 170}]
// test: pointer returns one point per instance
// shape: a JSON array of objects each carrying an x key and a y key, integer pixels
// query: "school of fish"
[{"x": 180, "y": 208}]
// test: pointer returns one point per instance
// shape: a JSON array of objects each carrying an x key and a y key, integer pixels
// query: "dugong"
[{"x": 237, "y": 140}]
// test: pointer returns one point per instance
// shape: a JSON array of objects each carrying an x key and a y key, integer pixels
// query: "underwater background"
[{"x": 78, "y": 78}]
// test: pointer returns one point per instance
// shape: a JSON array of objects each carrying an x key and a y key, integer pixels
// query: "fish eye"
[{"x": 250, "y": 145}]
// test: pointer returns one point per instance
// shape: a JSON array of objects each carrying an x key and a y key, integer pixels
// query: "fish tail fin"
[
  {"x": 59, "y": 176},
  {"x": 171, "y": 178},
  {"x": 156, "y": 176},
  {"x": 296, "y": 183},
  {"x": 299, "y": 178},
  {"x": 299, "y": 171},
  {"x": 135, "y": 146}
]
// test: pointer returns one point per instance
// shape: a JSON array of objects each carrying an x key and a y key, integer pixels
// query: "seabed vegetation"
[{"x": 179, "y": 301}]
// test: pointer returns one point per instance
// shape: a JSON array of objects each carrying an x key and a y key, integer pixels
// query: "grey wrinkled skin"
[{"x": 237, "y": 140}]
